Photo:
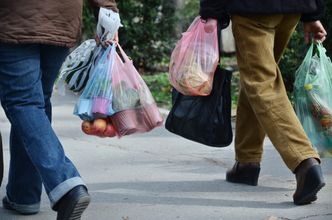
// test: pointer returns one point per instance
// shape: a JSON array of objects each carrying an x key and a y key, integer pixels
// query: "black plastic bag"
[{"x": 204, "y": 119}]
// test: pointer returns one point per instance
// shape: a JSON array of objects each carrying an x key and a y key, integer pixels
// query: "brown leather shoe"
[
  {"x": 309, "y": 179},
  {"x": 245, "y": 173}
]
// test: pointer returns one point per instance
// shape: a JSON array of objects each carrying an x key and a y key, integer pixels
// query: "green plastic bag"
[{"x": 313, "y": 98}]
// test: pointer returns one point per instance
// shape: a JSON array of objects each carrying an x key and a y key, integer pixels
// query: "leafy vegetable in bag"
[{"x": 134, "y": 107}]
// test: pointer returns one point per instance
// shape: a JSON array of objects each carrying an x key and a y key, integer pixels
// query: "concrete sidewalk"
[{"x": 160, "y": 176}]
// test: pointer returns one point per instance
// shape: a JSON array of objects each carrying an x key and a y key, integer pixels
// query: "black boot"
[
  {"x": 72, "y": 205},
  {"x": 245, "y": 173},
  {"x": 309, "y": 179}
]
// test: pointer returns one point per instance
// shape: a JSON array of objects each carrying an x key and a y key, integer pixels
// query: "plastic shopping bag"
[
  {"x": 75, "y": 70},
  {"x": 134, "y": 107},
  {"x": 79, "y": 64},
  {"x": 108, "y": 24},
  {"x": 313, "y": 99},
  {"x": 204, "y": 119},
  {"x": 194, "y": 60},
  {"x": 96, "y": 98}
]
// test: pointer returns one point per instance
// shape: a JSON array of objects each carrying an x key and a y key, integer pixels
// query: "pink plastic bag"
[
  {"x": 134, "y": 106},
  {"x": 194, "y": 60}
]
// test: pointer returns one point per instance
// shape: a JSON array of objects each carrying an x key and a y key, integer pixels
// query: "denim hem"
[
  {"x": 21, "y": 208},
  {"x": 60, "y": 190}
]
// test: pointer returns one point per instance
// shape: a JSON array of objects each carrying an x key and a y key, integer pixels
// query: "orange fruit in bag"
[
  {"x": 87, "y": 127},
  {"x": 99, "y": 125}
]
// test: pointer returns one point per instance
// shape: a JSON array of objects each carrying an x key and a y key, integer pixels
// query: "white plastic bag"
[
  {"x": 75, "y": 70},
  {"x": 108, "y": 24}
]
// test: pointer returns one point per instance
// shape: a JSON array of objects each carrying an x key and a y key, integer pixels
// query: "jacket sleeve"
[
  {"x": 215, "y": 9},
  {"x": 211, "y": 8},
  {"x": 317, "y": 15}
]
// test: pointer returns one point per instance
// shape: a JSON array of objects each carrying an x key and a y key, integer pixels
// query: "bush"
[
  {"x": 186, "y": 14},
  {"x": 148, "y": 32},
  {"x": 160, "y": 88},
  {"x": 292, "y": 58},
  {"x": 89, "y": 22}
]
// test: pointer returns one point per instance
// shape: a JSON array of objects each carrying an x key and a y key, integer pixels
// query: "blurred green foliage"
[
  {"x": 292, "y": 58},
  {"x": 148, "y": 32},
  {"x": 185, "y": 14},
  {"x": 89, "y": 22},
  {"x": 160, "y": 88}
]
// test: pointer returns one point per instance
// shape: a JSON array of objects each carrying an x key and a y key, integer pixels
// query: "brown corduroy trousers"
[{"x": 263, "y": 105}]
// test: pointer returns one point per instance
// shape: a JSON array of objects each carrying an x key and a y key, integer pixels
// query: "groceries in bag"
[
  {"x": 135, "y": 108},
  {"x": 117, "y": 94},
  {"x": 96, "y": 98},
  {"x": 194, "y": 60},
  {"x": 313, "y": 100}
]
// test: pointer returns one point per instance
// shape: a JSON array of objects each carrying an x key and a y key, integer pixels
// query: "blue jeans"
[{"x": 27, "y": 75}]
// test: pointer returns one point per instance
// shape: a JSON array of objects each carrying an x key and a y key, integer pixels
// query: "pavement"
[{"x": 161, "y": 176}]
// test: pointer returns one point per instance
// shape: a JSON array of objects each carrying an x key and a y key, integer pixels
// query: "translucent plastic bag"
[
  {"x": 194, "y": 60},
  {"x": 134, "y": 107},
  {"x": 79, "y": 64},
  {"x": 96, "y": 98},
  {"x": 313, "y": 99},
  {"x": 77, "y": 67},
  {"x": 108, "y": 24}
]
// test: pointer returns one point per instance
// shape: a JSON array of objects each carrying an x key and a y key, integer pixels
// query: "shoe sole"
[
  {"x": 314, "y": 178},
  {"x": 311, "y": 197},
  {"x": 245, "y": 181},
  {"x": 77, "y": 210},
  {"x": 247, "y": 176}
]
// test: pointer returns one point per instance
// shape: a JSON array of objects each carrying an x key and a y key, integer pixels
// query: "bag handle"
[
  {"x": 123, "y": 54},
  {"x": 321, "y": 52},
  {"x": 107, "y": 51}
]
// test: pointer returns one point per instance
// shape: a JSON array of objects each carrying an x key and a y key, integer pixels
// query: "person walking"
[
  {"x": 261, "y": 31},
  {"x": 35, "y": 38}
]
